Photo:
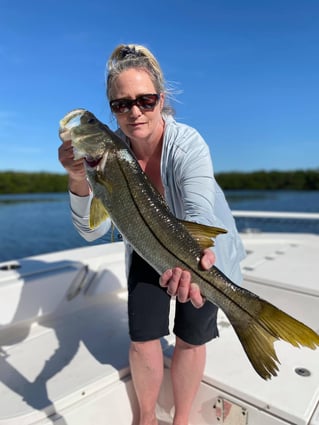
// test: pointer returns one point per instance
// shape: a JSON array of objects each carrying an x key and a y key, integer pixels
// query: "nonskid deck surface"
[
  {"x": 284, "y": 269},
  {"x": 69, "y": 357},
  {"x": 55, "y": 349}
]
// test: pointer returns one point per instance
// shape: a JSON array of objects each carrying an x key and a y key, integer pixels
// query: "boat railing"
[
  {"x": 276, "y": 214},
  {"x": 276, "y": 221}
]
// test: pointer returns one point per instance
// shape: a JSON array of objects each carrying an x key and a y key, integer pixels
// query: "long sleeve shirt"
[{"x": 191, "y": 192}]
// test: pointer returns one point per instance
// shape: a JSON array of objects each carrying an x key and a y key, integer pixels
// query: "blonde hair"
[{"x": 136, "y": 56}]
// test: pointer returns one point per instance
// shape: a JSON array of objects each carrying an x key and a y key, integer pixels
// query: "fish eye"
[{"x": 91, "y": 120}]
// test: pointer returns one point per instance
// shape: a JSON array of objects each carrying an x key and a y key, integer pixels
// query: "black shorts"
[{"x": 148, "y": 310}]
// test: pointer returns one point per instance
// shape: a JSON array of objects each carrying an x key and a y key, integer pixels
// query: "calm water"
[{"x": 40, "y": 223}]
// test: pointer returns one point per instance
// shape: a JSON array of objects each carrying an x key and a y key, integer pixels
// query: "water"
[
  {"x": 283, "y": 201},
  {"x": 40, "y": 223},
  {"x": 35, "y": 224}
]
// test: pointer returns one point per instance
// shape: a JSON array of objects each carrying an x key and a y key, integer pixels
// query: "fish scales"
[
  {"x": 138, "y": 206},
  {"x": 122, "y": 191},
  {"x": 146, "y": 212}
]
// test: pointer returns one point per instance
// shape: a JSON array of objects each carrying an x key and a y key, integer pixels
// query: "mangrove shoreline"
[{"x": 19, "y": 182}]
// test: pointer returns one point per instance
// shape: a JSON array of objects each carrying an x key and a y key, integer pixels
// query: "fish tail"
[{"x": 264, "y": 328}]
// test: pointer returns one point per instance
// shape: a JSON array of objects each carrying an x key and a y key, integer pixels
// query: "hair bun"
[{"x": 129, "y": 51}]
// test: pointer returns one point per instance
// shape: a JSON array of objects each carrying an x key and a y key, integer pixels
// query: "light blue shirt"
[{"x": 191, "y": 193}]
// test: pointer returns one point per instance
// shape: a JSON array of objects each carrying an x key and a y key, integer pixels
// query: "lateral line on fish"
[
  {"x": 162, "y": 239},
  {"x": 236, "y": 304},
  {"x": 188, "y": 267}
]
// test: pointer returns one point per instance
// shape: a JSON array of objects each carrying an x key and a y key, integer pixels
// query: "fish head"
[{"x": 90, "y": 137}]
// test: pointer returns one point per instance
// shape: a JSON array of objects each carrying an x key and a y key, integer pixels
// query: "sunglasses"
[{"x": 145, "y": 102}]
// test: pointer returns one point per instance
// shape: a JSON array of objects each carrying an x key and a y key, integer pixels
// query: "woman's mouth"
[{"x": 136, "y": 124}]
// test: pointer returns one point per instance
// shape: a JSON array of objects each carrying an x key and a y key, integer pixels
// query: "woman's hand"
[
  {"x": 77, "y": 176},
  {"x": 74, "y": 168},
  {"x": 178, "y": 281}
]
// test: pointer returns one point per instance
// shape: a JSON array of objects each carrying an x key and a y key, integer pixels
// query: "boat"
[{"x": 64, "y": 341}]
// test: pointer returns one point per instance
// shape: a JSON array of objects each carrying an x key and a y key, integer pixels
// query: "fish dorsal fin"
[
  {"x": 98, "y": 213},
  {"x": 203, "y": 234}
]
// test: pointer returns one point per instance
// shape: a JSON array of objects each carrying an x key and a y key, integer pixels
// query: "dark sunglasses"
[{"x": 146, "y": 102}]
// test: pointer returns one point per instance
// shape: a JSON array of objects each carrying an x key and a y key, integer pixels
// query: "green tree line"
[
  {"x": 270, "y": 180},
  {"x": 42, "y": 182},
  {"x": 23, "y": 182}
]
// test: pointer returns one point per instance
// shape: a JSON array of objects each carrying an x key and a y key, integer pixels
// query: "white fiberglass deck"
[{"x": 64, "y": 341}]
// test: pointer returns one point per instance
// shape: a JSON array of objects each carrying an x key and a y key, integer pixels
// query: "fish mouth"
[
  {"x": 71, "y": 120},
  {"x": 92, "y": 162}
]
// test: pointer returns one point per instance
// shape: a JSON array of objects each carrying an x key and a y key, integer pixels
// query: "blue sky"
[{"x": 248, "y": 72}]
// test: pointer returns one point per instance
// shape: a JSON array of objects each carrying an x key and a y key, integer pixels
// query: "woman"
[{"x": 177, "y": 161}]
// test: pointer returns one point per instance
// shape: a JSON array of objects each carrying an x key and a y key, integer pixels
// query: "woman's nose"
[{"x": 135, "y": 111}]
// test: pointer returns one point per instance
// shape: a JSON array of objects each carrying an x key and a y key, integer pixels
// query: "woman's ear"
[{"x": 162, "y": 100}]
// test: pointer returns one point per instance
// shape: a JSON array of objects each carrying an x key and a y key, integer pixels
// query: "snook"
[{"x": 123, "y": 192}]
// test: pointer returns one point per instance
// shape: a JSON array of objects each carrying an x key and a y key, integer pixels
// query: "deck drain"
[{"x": 301, "y": 371}]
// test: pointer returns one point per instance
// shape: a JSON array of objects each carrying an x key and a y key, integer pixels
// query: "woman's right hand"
[
  {"x": 77, "y": 175},
  {"x": 75, "y": 168}
]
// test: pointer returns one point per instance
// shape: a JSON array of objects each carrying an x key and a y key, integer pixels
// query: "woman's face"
[{"x": 137, "y": 124}]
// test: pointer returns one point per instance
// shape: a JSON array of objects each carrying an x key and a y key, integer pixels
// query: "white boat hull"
[{"x": 64, "y": 342}]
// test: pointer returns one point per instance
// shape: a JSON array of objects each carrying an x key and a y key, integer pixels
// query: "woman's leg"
[
  {"x": 146, "y": 361},
  {"x": 186, "y": 370}
]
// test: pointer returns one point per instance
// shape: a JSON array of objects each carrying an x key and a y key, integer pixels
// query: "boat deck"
[{"x": 64, "y": 342}]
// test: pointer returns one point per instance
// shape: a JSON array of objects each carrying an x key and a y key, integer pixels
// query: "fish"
[{"x": 123, "y": 192}]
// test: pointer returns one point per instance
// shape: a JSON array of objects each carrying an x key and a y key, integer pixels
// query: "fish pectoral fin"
[
  {"x": 203, "y": 234},
  {"x": 98, "y": 213},
  {"x": 104, "y": 182}
]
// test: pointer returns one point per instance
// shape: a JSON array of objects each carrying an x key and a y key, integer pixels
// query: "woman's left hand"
[{"x": 178, "y": 281}]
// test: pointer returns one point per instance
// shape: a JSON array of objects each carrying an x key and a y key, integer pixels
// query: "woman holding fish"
[{"x": 177, "y": 161}]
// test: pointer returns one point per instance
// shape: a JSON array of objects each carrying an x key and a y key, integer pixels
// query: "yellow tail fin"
[{"x": 269, "y": 325}]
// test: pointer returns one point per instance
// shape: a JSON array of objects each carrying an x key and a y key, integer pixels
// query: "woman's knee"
[{"x": 184, "y": 345}]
